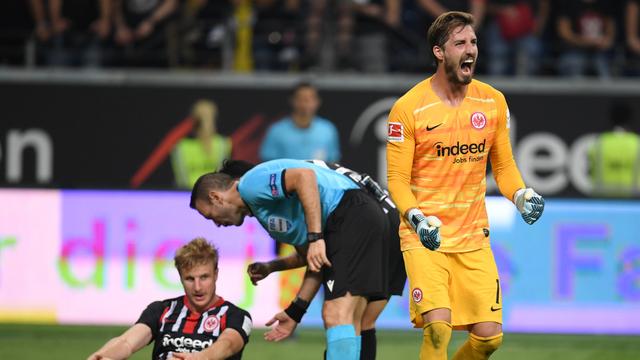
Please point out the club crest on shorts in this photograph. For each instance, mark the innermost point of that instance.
(478, 120)
(396, 133)
(211, 323)
(417, 295)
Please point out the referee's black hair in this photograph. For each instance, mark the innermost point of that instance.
(235, 168)
(207, 182)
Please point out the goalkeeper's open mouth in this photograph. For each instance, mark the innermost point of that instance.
(467, 66)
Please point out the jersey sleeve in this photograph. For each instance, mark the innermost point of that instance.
(240, 320)
(504, 166)
(400, 149)
(263, 183)
(151, 317)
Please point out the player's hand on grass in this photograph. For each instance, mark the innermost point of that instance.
(284, 328)
(258, 271)
(317, 255)
(427, 228)
(530, 204)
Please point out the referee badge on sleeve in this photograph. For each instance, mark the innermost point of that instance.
(396, 132)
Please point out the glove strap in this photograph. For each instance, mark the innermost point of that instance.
(297, 309)
(415, 216)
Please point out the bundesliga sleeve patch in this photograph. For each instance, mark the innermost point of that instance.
(396, 133)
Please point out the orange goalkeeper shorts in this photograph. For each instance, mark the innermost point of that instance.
(467, 283)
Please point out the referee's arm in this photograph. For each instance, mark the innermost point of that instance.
(123, 346)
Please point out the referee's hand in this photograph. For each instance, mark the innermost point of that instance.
(317, 255)
(283, 329)
(258, 271)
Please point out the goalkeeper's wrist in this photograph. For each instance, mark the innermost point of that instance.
(415, 216)
(297, 309)
(517, 194)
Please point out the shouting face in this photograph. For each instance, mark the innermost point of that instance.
(459, 55)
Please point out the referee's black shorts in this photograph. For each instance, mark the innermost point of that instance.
(397, 271)
(355, 235)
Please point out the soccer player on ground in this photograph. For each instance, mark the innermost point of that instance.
(197, 326)
(441, 134)
(336, 225)
(288, 319)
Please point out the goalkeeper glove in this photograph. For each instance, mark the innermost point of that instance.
(530, 204)
(427, 228)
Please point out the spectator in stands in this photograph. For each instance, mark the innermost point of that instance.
(303, 134)
(434, 8)
(276, 34)
(614, 157)
(141, 30)
(373, 19)
(203, 153)
(16, 27)
(586, 29)
(477, 8)
(514, 32)
(349, 35)
(632, 32)
(72, 32)
(205, 33)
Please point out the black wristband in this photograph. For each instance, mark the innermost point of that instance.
(314, 236)
(297, 309)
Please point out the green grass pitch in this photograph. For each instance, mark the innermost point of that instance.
(35, 342)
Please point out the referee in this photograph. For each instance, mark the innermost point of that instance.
(338, 227)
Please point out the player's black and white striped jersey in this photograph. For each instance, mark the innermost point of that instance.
(176, 328)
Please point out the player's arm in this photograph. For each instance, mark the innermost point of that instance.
(304, 183)
(504, 166)
(123, 346)
(400, 152)
(228, 344)
(506, 173)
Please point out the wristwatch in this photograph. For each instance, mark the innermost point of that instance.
(314, 236)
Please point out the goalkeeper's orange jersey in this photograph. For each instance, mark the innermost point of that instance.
(437, 160)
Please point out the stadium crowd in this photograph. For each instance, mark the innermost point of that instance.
(522, 37)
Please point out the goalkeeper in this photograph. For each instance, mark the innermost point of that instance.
(441, 134)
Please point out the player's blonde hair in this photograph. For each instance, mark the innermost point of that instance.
(197, 252)
(441, 28)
